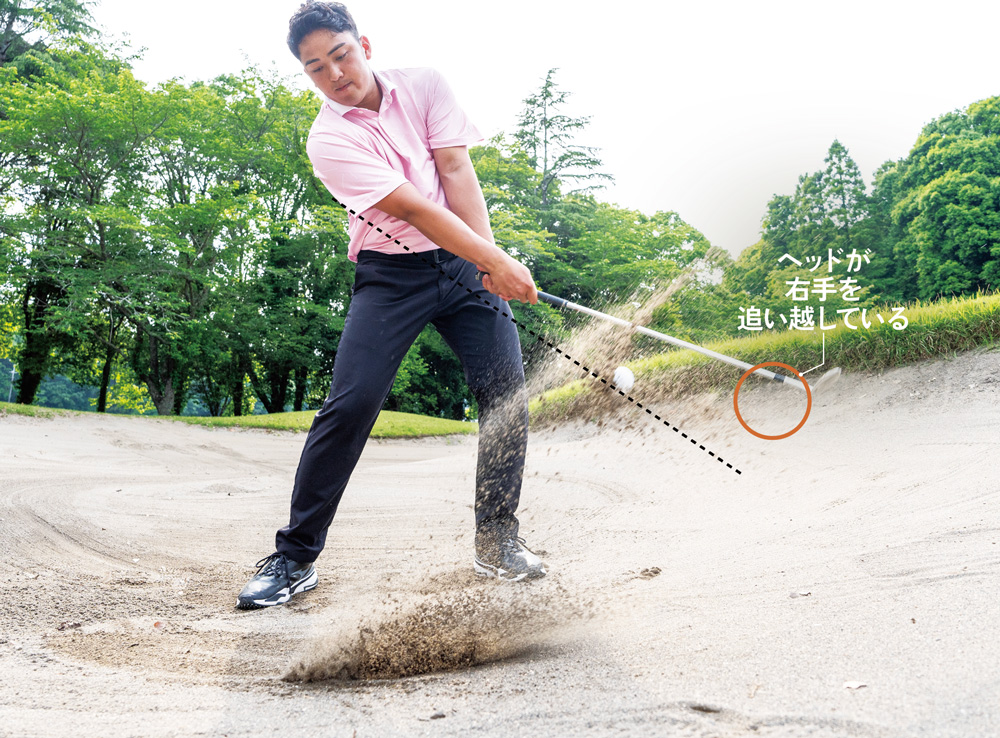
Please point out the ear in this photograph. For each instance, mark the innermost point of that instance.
(367, 46)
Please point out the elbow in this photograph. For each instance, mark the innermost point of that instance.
(416, 212)
(453, 168)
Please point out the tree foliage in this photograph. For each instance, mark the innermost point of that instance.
(30, 28)
(947, 204)
(179, 228)
(168, 247)
(930, 226)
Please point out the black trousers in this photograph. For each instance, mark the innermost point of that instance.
(395, 297)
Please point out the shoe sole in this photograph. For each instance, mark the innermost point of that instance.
(282, 596)
(495, 572)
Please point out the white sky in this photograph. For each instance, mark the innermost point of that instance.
(705, 108)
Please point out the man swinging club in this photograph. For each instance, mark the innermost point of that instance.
(392, 147)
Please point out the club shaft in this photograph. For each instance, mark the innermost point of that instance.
(561, 302)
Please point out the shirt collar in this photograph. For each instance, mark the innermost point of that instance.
(387, 97)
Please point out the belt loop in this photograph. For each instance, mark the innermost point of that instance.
(437, 256)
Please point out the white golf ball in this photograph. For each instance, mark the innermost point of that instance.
(624, 378)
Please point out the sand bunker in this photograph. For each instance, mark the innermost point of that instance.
(865, 549)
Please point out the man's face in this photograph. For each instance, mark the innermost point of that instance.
(337, 63)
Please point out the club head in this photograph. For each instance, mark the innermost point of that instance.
(826, 381)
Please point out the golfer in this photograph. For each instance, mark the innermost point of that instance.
(392, 146)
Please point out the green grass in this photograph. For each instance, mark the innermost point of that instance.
(388, 425)
(935, 330)
(32, 411)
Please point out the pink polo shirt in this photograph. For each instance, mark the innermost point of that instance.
(362, 156)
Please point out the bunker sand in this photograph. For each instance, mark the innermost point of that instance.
(684, 598)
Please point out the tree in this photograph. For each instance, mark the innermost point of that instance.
(181, 226)
(75, 235)
(828, 217)
(293, 284)
(259, 254)
(546, 134)
(845, 202)
(957, 234)
(623, 252)
(432, 381)
(27, 27)
(887, 273)
(947, 195)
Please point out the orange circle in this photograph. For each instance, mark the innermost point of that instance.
(736, 405)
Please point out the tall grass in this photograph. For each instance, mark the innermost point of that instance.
(934, 330)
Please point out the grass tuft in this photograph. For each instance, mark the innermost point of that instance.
(31, 411)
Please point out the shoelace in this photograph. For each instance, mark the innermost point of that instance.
(269, 564)
(515, 544)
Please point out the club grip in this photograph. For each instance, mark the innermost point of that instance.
(552, 299)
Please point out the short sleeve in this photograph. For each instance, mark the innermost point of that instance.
(447, 123)
(353, 170)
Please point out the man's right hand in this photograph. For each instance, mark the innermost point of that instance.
(509, 279)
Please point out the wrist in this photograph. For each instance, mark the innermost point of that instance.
(492, 259)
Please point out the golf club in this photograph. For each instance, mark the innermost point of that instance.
(824, 381)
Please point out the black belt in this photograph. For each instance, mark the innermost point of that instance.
(433, 256)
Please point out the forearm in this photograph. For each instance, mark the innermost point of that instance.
(508, 278)
(449, 230)
(465, 199)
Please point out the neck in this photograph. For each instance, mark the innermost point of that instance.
(373, 101)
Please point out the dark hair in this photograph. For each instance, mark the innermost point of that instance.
(314, 15)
